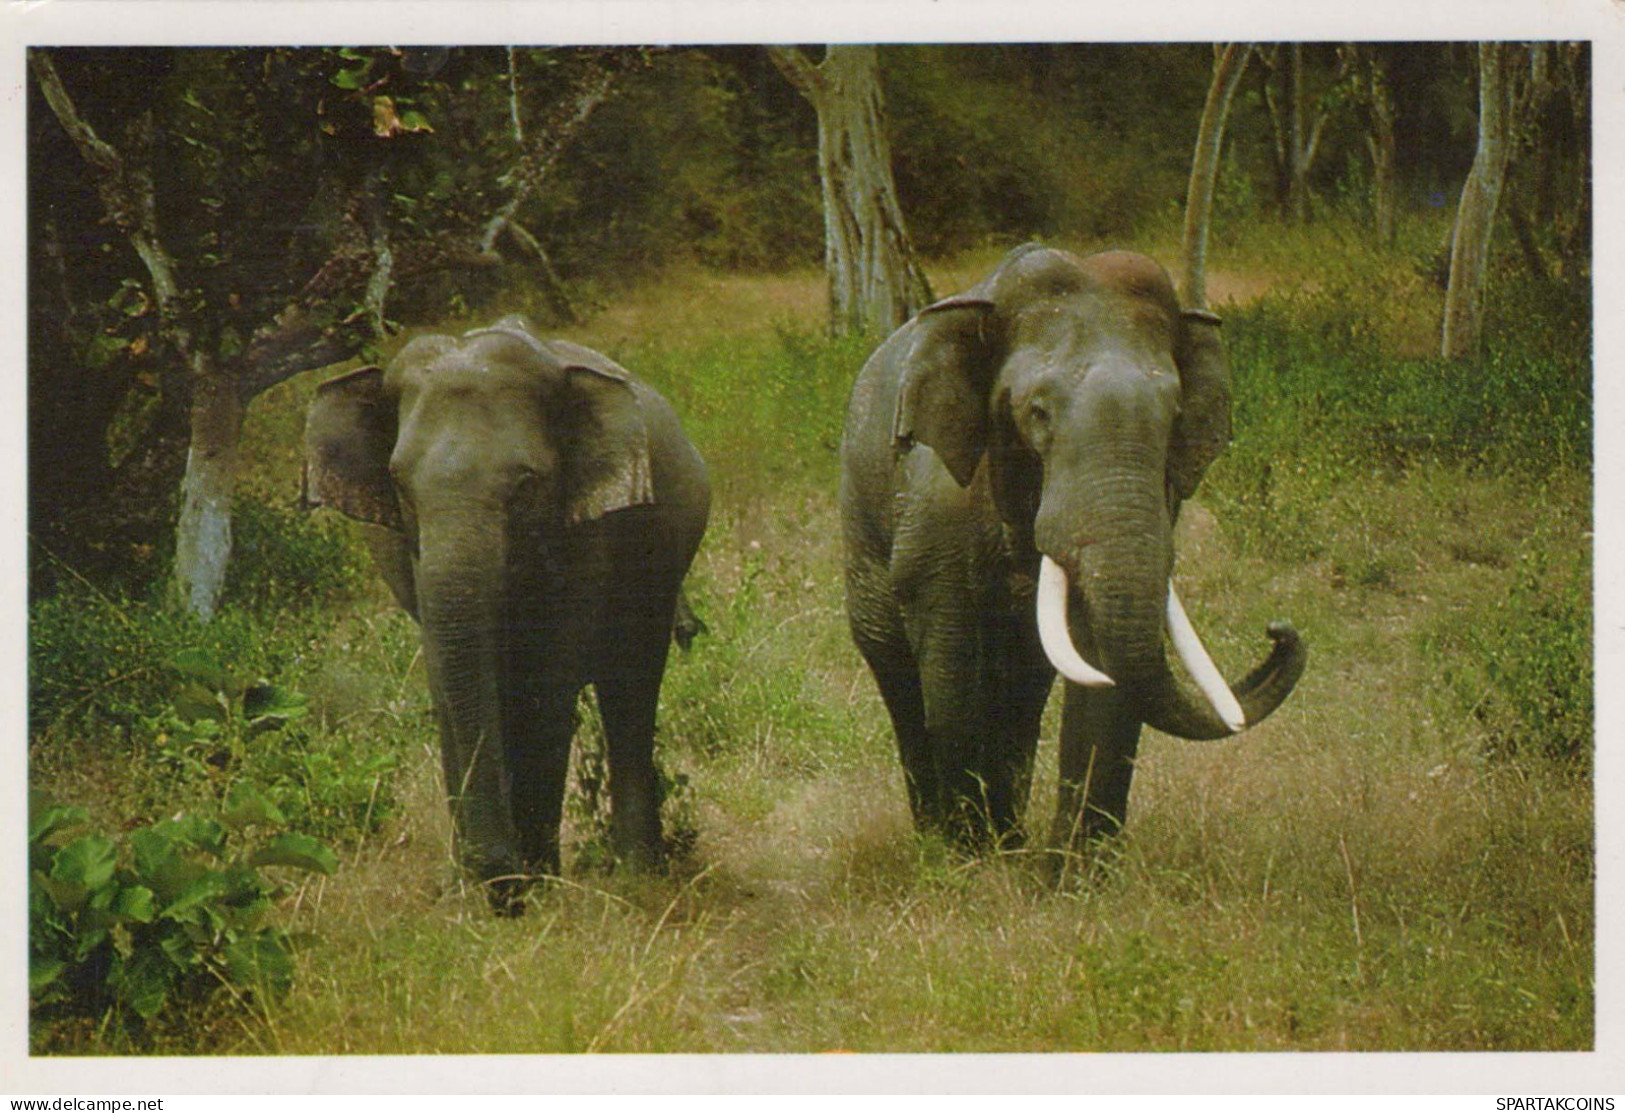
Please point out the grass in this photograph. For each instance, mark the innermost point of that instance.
(1387, 864)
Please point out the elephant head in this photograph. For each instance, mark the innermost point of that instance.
(1095, 405)
(478, 454)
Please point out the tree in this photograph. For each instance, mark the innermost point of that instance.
(1376, 98)
(1229, 63)
(1297, 122)
(1475, 215)
(875, 284)
(293, 195)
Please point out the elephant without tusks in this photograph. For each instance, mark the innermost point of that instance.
(1012, 466)
(535, 508)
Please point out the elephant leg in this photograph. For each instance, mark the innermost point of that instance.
(627, 701)
(961, 695)
(1023, 684)
(541, 726)
(876, 625)
(1099, 739)
(897, 675)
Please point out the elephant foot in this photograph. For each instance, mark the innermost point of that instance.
(506, 882)
(507, 895)
(1089, 862)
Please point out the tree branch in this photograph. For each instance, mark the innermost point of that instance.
(125, 194)
(590, 91)
(798, 71)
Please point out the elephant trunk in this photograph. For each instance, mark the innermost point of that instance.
(1124, 591)
(461, 574)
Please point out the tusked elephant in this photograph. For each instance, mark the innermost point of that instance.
(1012, 465)
(536, 509)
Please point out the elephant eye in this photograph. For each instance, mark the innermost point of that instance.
(1038, 426)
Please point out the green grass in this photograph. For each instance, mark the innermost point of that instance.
(1400, 859)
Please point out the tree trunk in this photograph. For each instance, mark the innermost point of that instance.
(1475, 218)
(1381, 143)
(1298, 182)
(203, 535)
(1229, 63)
(875, 284)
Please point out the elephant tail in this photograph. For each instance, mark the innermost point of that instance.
(686, 625)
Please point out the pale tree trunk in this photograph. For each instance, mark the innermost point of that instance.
(875, 284)
(1298, 183)
(1475, 217)
(219, 393)
(1229, 63)
(203, 536)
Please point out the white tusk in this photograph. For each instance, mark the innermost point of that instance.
(1053, 633)
(1201, 666)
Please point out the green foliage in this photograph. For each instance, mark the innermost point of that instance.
(161, 918)
(1006, 143)
(1523, 665)
(284, 558)
(104, 653)
(231, 734)
(1322, 400)
(695, 159)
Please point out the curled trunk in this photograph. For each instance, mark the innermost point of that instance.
(1125, 597)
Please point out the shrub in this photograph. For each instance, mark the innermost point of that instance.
(227, 731)
(162, 917)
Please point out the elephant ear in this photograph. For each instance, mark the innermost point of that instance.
(942, 401)
(606, 467)
(1203, 427)
(349, 435)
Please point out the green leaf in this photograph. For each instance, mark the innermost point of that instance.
(88, 861)
(196, 897)
(65, 896)
(351, 79)
(86, 942)
(135, 903)
(245, 806)
(160, 864)
(42, 972)
(144, 982)
(270, 702)
(260, 961)
(195, 832)
(104, 350)
(413, 120)
(200, 665)
(196, 703)
(298, 851)
(47, 819)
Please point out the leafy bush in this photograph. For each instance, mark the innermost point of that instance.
(217, 731)
(164, 916)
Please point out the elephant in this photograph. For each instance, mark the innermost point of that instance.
(535, 508)
(1012, 467)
